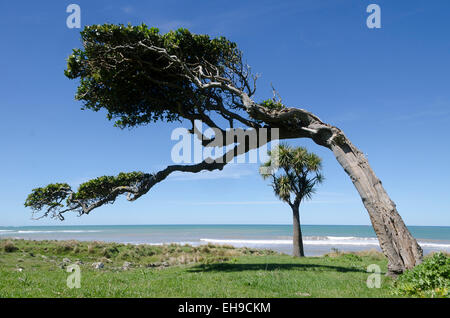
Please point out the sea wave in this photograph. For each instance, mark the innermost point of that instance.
(55, 231)
(318, 240)
(437, 245)
(192, 243)
(262, 242)
(307, 241)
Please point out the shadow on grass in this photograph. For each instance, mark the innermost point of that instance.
(229, 267)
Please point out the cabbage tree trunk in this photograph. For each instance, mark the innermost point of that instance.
(297, 238)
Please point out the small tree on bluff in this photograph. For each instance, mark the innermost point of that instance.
(293, 182)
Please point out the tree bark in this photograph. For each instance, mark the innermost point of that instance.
(401, 249)
(297, 239)
(396, 242)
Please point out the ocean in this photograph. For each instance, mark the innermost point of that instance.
(318, 239)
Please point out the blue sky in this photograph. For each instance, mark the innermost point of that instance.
(387, 88)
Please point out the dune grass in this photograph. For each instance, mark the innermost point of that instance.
(39, 269)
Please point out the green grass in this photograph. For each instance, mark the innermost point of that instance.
(35, 269)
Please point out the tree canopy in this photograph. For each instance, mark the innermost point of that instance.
(139, 75)
(58, 198)
(297, 175)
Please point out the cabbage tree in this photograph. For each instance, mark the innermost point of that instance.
(293, 181)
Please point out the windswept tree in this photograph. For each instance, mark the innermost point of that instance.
(139, 76)
(293, 180)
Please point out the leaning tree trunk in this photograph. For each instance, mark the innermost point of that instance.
(297, 239)
(396, 242)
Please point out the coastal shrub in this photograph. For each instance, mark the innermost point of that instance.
(198, 258)
(186, 248)
(250, 251)
(373, 254)
(110, 251)
(171, 248)
(208, 260)
(141, 250)
(106, 253)
(128, 255)
(76, 249)
(105, 260)
(91, 249)
(352, 257)
(429, 279)
(65, 246)
(334, 253)
(150, 251)
(9, 247)
(185, 259)
(356, 256)
(220, 252)
(205, 249)
(124, 255)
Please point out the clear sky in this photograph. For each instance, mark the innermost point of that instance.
(388, 89)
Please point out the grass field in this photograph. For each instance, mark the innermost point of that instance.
(39, 269)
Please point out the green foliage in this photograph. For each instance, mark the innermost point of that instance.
(58, 198)
(429, 279)
(299, 172)
(110, 251)
(272, 104)
(66, 246)
(9, 247)
(52, 196)
(135, 85)
(102, 186)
